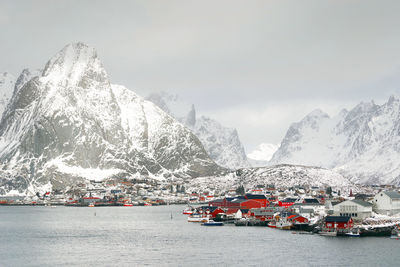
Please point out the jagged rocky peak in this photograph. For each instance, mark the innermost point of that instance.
(25, 76)
(191, 117)
(221, 143)
(314, 118)
(76, 64)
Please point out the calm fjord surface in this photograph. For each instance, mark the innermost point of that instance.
(130, 236)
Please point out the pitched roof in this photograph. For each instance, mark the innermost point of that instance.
(362, 202)
(251, 196)
(392, 194)
(311, 200)
(289, 200)
(337, 218)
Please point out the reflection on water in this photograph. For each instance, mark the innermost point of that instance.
(129, 236)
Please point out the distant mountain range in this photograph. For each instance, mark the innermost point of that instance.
(363, 144)
(222, 143)
(69, 123)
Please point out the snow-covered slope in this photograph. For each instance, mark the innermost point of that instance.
(282, 176)
(262, 154)
(7, 82)
(71, 124)
(222, 143)
(362, 144)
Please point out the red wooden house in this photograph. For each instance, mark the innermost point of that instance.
(287, 202)
(338, 222)
(262, 199)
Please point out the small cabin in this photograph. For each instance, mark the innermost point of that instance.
(338, 222)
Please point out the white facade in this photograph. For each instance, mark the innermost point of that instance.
(387, 203)
(357, 209)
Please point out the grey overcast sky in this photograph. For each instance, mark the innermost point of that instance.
(254, 65)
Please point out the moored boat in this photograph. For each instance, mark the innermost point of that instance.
(395, 232)
(91, 205)
(283, 225)
(353, 232)
(212, 223)
(328, 233)
(198, 218)
(188, 211)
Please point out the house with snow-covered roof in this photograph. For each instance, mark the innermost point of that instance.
(357, 209)
(387, 202)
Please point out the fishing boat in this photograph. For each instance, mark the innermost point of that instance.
(212, 223)
(198, 218)
(128, 204)
(91, 205)
(283, 225)
(148, 204)
(272, 224)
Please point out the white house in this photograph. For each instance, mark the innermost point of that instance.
(387, 202)
(358, 209)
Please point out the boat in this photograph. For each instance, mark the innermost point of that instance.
(91, 205)
(283, 225)
(328, 233)
(212, 223)
(353, 232)
(395, 232)
(188, 211)
(198, 218)
(272, 224)
(128, 204)
(148, 204)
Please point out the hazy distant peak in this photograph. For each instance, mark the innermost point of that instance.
(317, 113)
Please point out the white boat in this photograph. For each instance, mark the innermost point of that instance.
(198, 218)
(283, 225)
(328, 233)
(353, 232)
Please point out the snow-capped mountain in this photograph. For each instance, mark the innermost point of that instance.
(71, 124)
(7, 83)
(362, 144)
(222, 143)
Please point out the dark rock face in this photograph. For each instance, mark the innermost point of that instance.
(71, 124)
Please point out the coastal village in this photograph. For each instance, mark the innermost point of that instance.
(373, 210)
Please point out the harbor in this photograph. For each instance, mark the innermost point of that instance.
(142, 235)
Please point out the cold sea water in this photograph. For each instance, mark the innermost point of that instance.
(147, 236)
